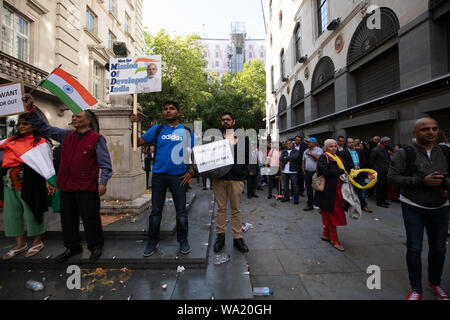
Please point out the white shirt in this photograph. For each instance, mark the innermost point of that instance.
(151, 85)
(287, 167)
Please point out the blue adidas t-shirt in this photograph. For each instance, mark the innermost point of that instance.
(169, 152)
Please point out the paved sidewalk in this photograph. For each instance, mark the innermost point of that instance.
(287, 254)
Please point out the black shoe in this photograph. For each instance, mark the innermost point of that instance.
(269, 197)
(259, 188)
(240, 245)
(63, 257)
(95, 254)
(383, 205)
(220, 242)
(255, 196)
(308, 208)
(302, 195)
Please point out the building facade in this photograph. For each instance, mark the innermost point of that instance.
(229, 55)
(356, 68)
(39, 35)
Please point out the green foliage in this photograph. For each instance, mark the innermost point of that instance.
(203, 97)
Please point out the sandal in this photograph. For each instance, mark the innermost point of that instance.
(338, 246)
(14, 252)
(34, 250)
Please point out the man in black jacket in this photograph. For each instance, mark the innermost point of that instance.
(230, 186)
(289, 168)
(355, 159)
(379, 161)
(418, 170)
(301, 147)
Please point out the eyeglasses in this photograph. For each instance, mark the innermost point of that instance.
(227, 119)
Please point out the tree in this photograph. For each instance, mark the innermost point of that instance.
(183, 78)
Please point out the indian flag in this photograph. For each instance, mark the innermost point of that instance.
(68, 90)
(38, 157)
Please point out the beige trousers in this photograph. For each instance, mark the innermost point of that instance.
(224, 189)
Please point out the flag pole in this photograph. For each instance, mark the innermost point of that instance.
(135, 124)
(32, 90)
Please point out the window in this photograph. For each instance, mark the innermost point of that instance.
(15, 33)
(90, 20)
(127, 23)
(250, 55)
(217, 63)
(298, 52)
(322, 15)
(217, 54)
(262, 54)
(112, 6)
(111, 39)
(280, 19)
(282, 64)
(97, 88)
(272, 82)
(270, 10)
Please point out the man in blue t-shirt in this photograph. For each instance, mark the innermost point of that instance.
(169, 171)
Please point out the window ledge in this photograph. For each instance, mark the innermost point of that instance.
(92, 35)
(113, 15)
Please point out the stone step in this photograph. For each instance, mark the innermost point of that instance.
(132, 227)
(119, 253)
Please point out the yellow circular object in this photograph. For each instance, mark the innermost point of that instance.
(354, 173)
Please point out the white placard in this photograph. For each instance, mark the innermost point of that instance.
(11, 99)
(135, 75)
(213, 155)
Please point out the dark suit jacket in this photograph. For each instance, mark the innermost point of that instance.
(378, 161)
(348, 161)
(285, 158)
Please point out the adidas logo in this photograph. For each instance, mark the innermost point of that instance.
(172, 137)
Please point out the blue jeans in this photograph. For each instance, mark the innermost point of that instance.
(309, 189)
(436, 223)
(160, 183)
(294, 178)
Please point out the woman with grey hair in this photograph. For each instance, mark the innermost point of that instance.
(331, 166)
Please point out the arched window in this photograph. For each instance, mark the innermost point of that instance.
(297, 38)
(323, 87)
(282, 64)
(282, 115)
(298, 104)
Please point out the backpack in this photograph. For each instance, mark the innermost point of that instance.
(410, 157)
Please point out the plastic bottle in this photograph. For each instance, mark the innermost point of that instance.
(262, 291)
(35, 285)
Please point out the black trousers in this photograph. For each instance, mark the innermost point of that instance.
(87, 206)
(381, 188)
(301, 181)
(252, 182)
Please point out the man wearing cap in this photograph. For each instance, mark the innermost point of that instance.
(379, 161)
(309, 167)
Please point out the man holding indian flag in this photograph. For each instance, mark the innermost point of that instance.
(84, 152)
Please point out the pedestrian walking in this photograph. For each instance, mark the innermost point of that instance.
(331, 166)
(24, 190)
(289, 168)
(379, 161)
(169, 172)
(418, 170)
(309, 168)
(230, 186)
(84, 153)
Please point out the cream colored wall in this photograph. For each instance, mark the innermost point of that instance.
(304, 11)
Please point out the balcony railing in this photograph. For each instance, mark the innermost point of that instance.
(13, 69)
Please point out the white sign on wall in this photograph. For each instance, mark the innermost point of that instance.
(213, 155)
(11, 99)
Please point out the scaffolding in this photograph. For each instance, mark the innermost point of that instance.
(237, 48)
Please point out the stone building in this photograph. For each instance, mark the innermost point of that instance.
(356, 67)
(39, 35)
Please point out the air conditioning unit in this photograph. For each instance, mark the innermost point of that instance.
(334, 24)
(303, 59)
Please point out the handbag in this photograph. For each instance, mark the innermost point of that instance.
(318, 182)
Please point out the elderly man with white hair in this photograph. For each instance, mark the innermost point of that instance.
(379, 161)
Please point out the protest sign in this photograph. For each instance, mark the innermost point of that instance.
(135, 75)
(213, 155)
(11, 98)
